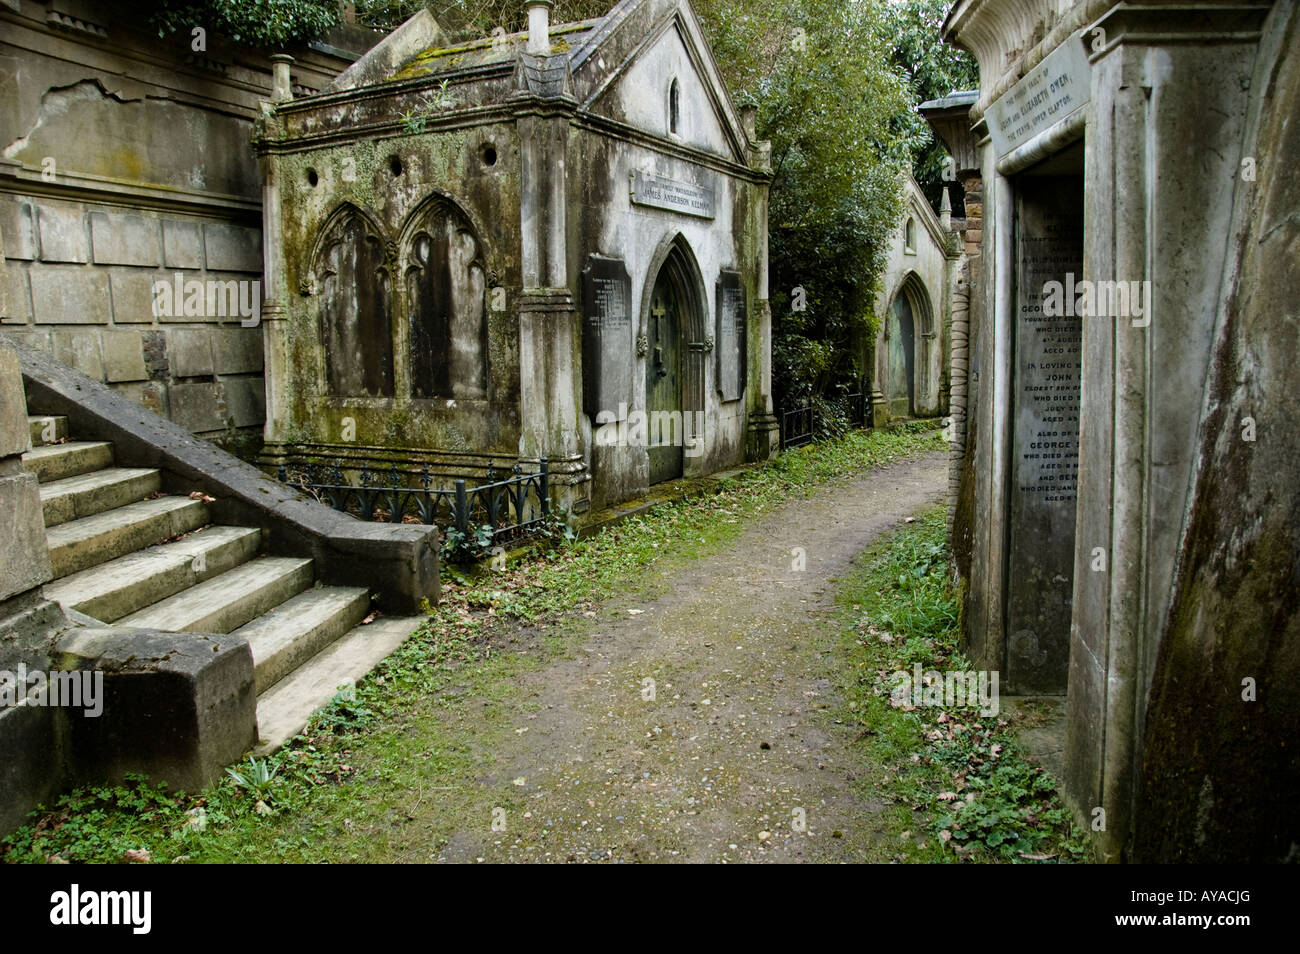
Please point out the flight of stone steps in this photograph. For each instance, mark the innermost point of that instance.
(127, 555)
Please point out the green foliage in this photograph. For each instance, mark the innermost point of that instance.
(97, 824)
(269, 24)
(256, 779)
(981, 799)
(431, 103)
(466, 546)
(818, 71)
(932, 69)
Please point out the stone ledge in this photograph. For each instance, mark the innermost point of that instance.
(178, 707)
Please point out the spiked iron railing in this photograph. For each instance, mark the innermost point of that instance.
(510, 507)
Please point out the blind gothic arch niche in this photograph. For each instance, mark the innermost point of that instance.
(443, 297)
(350, 273)
(446, 302)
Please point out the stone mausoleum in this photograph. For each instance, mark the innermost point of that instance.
(550, 244)
(1125, 523)
(914, 312)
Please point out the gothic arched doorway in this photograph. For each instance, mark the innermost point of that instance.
(900, 357)
(674, 374)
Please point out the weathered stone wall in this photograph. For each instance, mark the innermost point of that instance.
(1218, 772)
(1183, 559)
(123, 162)
(391, 183)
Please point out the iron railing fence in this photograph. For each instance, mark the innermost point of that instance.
(798, 424)
(510, 507)
(796, 427)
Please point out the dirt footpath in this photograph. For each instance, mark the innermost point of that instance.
(688, 727)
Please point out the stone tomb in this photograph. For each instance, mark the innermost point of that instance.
(466, 239)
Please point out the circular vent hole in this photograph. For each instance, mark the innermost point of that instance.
(489, 155)
(312, 178)
(395, 166)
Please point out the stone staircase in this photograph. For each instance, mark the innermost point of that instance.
(125, 554)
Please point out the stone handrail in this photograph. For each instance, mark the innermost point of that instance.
(398, 562)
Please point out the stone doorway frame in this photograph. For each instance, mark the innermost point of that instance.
(675, 254)
(923, 333)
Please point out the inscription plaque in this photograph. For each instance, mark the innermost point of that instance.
(1044, 473)
(729, 337)
(672, 194)
(607, 358)
(1052, 91)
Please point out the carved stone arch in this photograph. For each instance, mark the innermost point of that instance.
(675, 253)
(912, 285)
(908, 333)
(350, 276)
(446, 279)
(675, 262)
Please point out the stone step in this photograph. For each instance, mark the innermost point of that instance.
(114, 589)
(85, 495)
(47, 430)
(293, 632)
(226, 602)
(284, 709)
(89, 541)
(67, 460)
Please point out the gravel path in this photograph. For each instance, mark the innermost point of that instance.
(726, 755)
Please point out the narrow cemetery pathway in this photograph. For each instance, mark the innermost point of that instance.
(739, 733)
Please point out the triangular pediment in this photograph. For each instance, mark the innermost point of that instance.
(629, 78)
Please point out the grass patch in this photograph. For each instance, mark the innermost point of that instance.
(958, 786)
(421, 726)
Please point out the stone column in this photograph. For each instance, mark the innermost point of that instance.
(30, 749)
(764, 429)
(275, 290)
(1161, 78)
(550, 390)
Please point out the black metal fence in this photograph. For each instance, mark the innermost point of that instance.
(798, 424)
(510, 507)
(859, 409)
(796, 427)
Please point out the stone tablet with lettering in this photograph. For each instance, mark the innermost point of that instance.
(729, 337)
(1044, 475)
(607, 357)
(673, 195)
(1048, 94)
